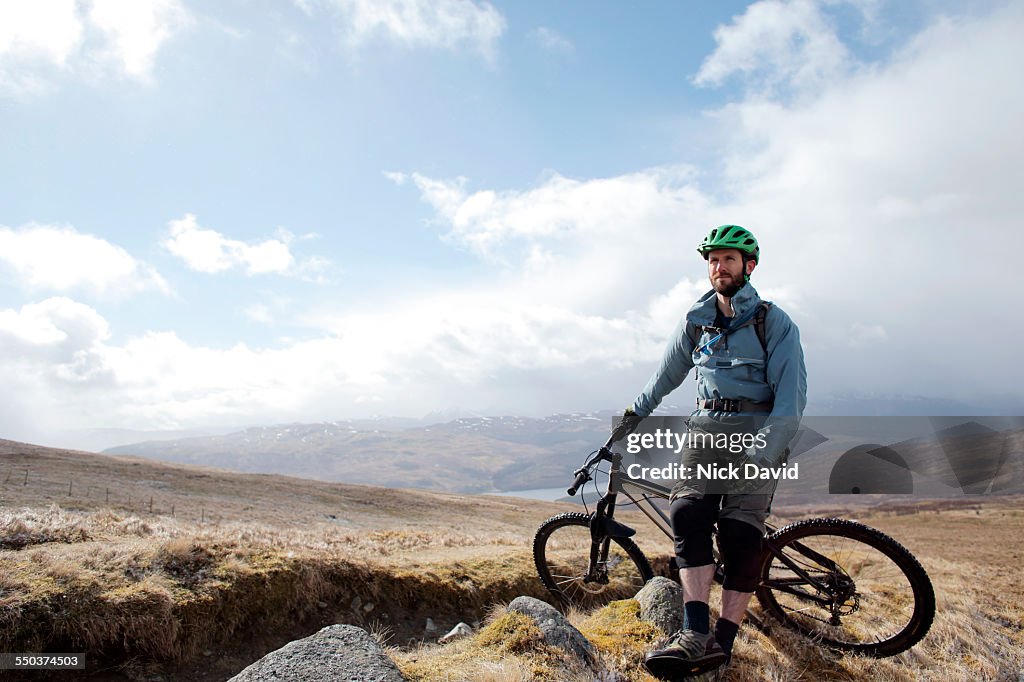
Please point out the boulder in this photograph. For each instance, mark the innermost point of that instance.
(661, 604)
(556, 629)
(342, 653)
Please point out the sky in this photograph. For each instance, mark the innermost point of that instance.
(253, 212)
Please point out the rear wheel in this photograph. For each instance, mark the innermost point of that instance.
(846, 585)
(561, 551)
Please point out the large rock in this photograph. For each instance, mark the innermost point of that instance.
(556, 629)
(338, 652)
(661, 604)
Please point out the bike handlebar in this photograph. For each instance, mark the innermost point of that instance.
(582, 476)
(618, 434)
(583, 473)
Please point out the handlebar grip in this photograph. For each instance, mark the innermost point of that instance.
(581, 478)
(627, 425)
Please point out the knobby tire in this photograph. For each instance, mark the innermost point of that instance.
(562, 569)
(890, 584)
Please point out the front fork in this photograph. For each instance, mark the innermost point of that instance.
(597, 571)
(600, 542)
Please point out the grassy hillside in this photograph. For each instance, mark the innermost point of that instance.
(249, 562)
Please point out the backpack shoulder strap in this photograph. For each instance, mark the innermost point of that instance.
(698, 330)
(759, 324)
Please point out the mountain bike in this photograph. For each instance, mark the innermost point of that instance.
(840, 583)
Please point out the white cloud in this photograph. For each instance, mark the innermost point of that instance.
(34, 35)
(575, 244)
(58, 340)
(209, 251)
(46, 40)
(887, 207)
(775, 42)
(873, 201)
(439, 24)
(135, 30)
(562, 209)
(553, 41)
(405, 357)
(882, 194)
(52, 258)
(45, 28)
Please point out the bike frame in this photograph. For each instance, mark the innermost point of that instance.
(642, 494)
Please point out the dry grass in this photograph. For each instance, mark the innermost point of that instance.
(972, 556)
(509, 648)
(162, 591)
(285, 556)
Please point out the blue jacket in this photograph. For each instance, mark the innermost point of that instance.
(738, 367)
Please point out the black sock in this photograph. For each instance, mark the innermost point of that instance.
(697, 617)
(725, 635)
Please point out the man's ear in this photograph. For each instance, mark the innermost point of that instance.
(751, 264)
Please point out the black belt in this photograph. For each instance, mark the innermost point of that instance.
(730, 405)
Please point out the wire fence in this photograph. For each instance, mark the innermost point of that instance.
(20, 485)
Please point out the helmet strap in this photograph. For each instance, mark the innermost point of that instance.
(746, 259)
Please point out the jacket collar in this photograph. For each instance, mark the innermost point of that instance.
(705, 309)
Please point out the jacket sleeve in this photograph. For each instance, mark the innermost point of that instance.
(674, 367)
(787, 377)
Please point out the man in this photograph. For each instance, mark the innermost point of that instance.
(750, 376)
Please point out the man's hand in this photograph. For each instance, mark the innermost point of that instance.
(627, 425)
(749, 486)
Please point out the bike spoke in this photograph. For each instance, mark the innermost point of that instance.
(868, 593)
(567, 556)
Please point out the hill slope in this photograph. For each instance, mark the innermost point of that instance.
(274, 558)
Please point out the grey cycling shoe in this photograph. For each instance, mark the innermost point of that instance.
(687, 654)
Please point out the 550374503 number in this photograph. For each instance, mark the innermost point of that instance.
(48, 661)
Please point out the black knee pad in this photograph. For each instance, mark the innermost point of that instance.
(741, 545)
(692, 520)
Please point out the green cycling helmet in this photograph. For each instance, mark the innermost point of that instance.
(730, 237)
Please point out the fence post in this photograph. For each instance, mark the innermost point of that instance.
(150, 504)
(202, 517)
(70, 482)
(26, 476)
(172, 511)
(108, 495)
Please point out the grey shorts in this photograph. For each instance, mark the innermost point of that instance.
(742, 500)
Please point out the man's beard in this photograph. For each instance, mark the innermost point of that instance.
(728, 288)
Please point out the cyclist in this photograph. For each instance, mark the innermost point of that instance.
(750, 370)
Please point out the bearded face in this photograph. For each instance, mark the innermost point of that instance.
(727, 271)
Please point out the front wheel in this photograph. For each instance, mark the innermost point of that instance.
(561, 551)
(848, 586)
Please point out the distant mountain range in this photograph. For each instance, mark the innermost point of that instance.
(492, 454)
(470, 455)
